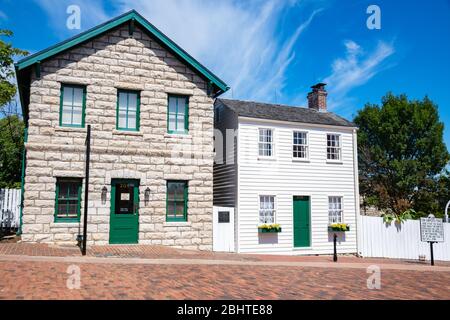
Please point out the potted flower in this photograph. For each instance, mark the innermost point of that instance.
(269, 228)
(339, 227)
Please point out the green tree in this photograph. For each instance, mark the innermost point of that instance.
(11, 143)
(401, 154)
(8, 88)
(11, 124)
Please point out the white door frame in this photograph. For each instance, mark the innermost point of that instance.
(223, 232)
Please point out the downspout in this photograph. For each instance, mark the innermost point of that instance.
(22, 180)
(356, 192)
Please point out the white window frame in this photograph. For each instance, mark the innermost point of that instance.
(334, 211)
(306, 158)
(339, 147)
(260, 210)
(272, 143)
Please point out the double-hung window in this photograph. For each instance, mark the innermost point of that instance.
(300, 145)
(335, 211)
(68, 200)
(178, 114)
(334, 149)
(265, 144)
(72, 106)
(128, 104)
(266, 209)
(177, 197)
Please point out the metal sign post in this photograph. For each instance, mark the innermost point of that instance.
(431, 253)
(86, 188)
(431, 231)
(335, 258)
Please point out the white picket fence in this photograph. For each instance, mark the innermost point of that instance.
(379, 240)
(9, 209)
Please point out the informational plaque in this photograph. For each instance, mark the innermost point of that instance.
(431, 229)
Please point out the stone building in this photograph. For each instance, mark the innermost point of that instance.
(150, 108)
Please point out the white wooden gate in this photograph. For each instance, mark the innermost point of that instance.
(380, 240)
(223, 229)
(9, 209)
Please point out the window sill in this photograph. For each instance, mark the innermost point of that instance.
(177, 224)
(127, 133)
(300, 160)
(70, 129)
(64, 223)
(335, 161)
(178, 135)
(262, 158)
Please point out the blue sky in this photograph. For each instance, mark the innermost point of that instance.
(274, 50)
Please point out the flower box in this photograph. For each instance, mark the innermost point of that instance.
(269, 228)
(339, 227)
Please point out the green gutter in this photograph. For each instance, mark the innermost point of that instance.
(22, 178)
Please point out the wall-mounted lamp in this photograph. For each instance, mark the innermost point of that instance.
(147, 195)
(104, 192)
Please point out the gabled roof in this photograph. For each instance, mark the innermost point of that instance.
(131, 16)
(250, 109)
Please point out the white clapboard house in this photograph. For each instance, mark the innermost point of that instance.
(288, 166)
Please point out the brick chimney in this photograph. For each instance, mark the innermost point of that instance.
(317, 98)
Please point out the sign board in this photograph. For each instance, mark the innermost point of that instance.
(431, 229)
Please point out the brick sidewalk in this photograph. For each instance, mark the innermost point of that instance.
(162, 252)
(48, 280)
(37, 271)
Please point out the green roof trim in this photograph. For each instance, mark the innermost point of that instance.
(104, 27)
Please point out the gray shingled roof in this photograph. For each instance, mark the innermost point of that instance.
(267, 111)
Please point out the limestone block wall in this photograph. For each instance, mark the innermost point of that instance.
(110, 62)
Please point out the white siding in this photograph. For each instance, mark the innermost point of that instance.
(285, 178)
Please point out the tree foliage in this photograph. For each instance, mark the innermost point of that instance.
(11, 143)
(402, 155)
(7, 53)
(11, 125)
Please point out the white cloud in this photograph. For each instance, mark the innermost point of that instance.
(354, 70)
(239, 41)
(243, 43)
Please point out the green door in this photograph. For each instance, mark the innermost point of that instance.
(124, 222)
(302, 230)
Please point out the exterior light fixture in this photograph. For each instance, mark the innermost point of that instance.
(104, 192)
(147, 195)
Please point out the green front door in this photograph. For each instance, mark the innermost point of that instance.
(302, 230)
(124, 222)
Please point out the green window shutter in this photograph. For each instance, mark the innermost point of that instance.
(68, 200)
(128, 110)
(72, 109)
(178, 114)
(176, 201)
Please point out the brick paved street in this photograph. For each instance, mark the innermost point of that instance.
(45, 277)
